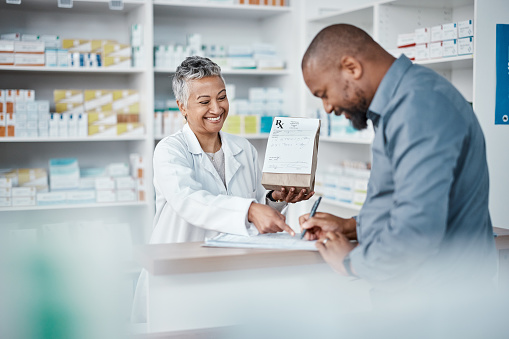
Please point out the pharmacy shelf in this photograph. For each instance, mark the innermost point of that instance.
(347, 140)
(351, 15)
(433, 3)
(71, 69)
(77, 139)
(342, 204)
(463, 61)
(217, 11)
(236, 71)
(247, 136)
(82, 6)
(73, 206)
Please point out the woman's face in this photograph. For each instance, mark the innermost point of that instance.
(207, 106)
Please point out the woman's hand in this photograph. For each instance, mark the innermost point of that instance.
(267, 220)
(291, 195)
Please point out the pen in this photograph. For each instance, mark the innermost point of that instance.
(312, 214)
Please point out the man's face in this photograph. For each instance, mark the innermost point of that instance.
(339, 92)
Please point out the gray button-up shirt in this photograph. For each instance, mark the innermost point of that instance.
(425, 221)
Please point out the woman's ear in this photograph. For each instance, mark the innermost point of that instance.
(352, 67)
(182, 108)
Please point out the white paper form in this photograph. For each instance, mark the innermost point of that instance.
(290, 146)
(268, 241)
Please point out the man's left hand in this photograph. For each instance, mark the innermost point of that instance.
(334, 247)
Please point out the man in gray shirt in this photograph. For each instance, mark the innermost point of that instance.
(425, 224)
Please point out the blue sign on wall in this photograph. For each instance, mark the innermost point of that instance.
(502, 93)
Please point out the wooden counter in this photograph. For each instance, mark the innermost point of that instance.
(164, 259)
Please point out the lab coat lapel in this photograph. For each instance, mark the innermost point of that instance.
(193, 145)
(231, 164)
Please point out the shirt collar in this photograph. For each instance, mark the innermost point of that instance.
(387, 87)
(193, 145)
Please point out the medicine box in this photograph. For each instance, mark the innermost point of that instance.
(117, 169)
(104, 196)
(64, 174)
(81, 197)
(126, 195)
(116, 50)
(68, 96)
(104, 183)
(117, 62)
(125, 99)
(125, 182)
(97, 98)
(29, 191)
(450, 48)
(102, 130)
(69, 108)
(103, 118)
(23, 201)
(449, 31)
(130, 129)
(435, 50)
(51, 198)
(465, 29)
(466, 46)
(21, 59)
(422, 35)
(436, 33)
(406, 40)
(29, 47)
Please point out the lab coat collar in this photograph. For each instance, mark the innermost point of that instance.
(230, 149)
(193, 145)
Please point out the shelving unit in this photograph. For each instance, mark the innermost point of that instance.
(73, 139)
(289, 28)
(88, 19)
(250, 72)
(74, 206)
(70, 69)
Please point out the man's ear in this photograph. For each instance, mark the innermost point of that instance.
(351, 67)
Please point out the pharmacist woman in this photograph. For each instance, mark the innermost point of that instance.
(208, 181)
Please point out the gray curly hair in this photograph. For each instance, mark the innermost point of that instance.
(193, 68)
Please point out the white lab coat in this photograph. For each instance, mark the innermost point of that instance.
(191, 200)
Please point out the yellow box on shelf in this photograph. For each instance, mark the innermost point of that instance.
(130, 129)
(95, 99)
(102, 130)
(84, 45)
(251, 124)
(116, 50)
(117, 62)
(233, 124)
(68, 96)
(71, 108)
(126, 98)
(102, 118)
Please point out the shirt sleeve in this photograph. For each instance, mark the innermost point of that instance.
(424, 138)
(174, 175)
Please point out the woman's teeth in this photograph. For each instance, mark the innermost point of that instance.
(214, 119)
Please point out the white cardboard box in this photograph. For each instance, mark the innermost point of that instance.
(449, 31)
(436, 50)
(436, 33)
(466, 46)
(450, 48)
(465, 28)
(422, 35)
